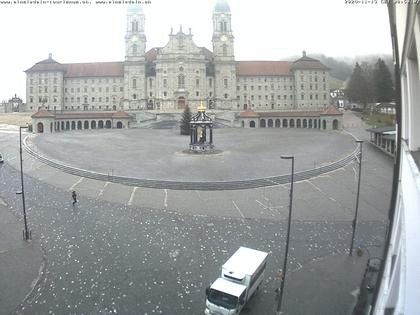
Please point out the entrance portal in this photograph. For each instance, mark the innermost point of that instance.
(181, 102)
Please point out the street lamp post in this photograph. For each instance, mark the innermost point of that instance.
(283, 274)
(359, 160)
(26, 233)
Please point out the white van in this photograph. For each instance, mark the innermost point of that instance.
(241, 275)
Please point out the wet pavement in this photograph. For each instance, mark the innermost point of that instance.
(104, 256)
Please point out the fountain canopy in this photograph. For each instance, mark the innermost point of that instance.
(201, 127)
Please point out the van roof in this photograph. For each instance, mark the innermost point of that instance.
(245, 260)
(228, 287)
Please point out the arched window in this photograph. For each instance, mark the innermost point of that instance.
(305, 123)
(100, 124)
(93, 124)
(270, 123)
(298, 123)
(292, 123)
(134, 26)
(262, 123)
(252, 124)
(73, 125)
(119, 125)
(324, 124)
(79, 125)
(310, 123)
(277, 123)
(40, 127)
(285, 123)
(86, 124)
(181, 81)
(134, 83)
(224, 47)
(335, 124)
(134, 47)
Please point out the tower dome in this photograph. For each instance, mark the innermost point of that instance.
(221, 6)
(135, 8)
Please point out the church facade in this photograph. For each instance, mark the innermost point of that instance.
(178, 74)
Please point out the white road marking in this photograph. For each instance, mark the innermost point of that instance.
(261, 204)
(237, 208)
(76, 183)
(102, 190)
(132, 196)
(165, 200)
(315, 186)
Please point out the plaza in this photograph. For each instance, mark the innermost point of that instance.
(128, 249)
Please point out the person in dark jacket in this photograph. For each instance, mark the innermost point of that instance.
(74, 196)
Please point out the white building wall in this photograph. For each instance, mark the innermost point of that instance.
(399, 289)
(93, 93)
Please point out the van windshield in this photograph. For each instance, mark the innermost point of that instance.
(222, 299)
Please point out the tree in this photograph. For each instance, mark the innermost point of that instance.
(367, 71)
(358, 89)
(185, 121)
(383, 86)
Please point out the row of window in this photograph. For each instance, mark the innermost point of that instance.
(265, 79)
(245, 87)
(74, 81)
(92, 99)
(42, 81)
(311, 96)
(93, 81)
(302, 78)
(99, 89)
(315, 86)
(42, 89)
(43, 99)
(272, 97)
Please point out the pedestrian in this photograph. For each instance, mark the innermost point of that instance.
(74, 196)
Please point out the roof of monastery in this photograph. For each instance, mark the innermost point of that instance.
(306, 62)
(264, 68)
(331, 110)
(116, 69)
(81, 115)
(94, 69)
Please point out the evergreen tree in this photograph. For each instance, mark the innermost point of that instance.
(185, 121)
(358, 89)
(383, 86)
(367, 71)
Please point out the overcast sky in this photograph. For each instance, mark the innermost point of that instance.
(263, 30)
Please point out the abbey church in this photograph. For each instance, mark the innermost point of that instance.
(178, 74)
